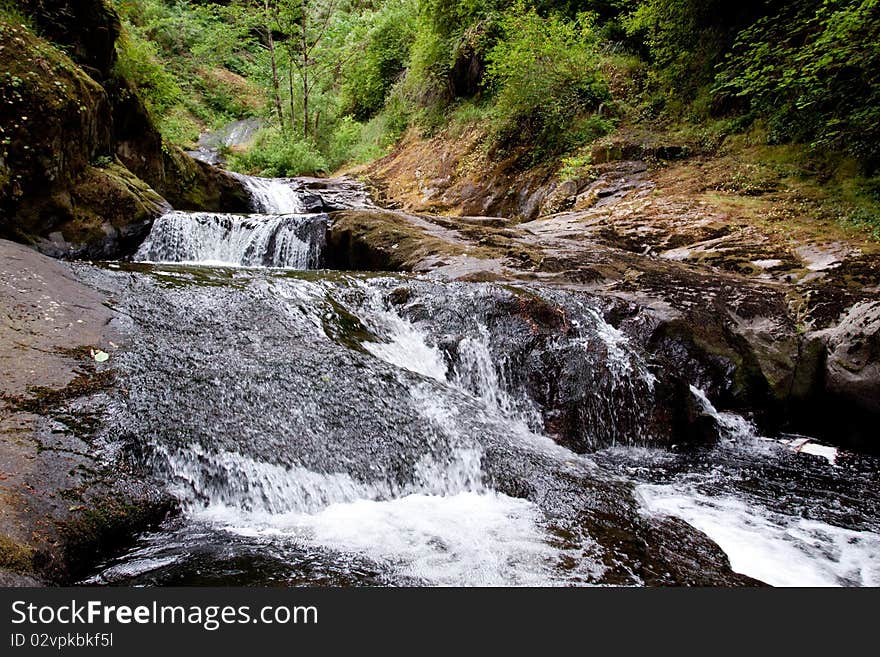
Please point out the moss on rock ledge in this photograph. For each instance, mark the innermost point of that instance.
(83, 170)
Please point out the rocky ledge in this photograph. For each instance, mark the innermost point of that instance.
(793, 342)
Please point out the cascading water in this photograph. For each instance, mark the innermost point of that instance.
(287, 241)
(353, 429)
(281, 237)
(273, 196)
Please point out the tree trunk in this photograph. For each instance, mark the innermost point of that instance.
(276, 85)
(305, 110)
(290, 66)
(305, 74)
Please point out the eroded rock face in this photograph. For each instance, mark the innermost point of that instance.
(754, 292)
(113, 212)
(54, 124)
(853, 363)
(852, 373)
(739, 339)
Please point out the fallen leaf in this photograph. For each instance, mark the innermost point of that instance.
(99, 356)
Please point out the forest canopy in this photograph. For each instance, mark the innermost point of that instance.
(340, 80)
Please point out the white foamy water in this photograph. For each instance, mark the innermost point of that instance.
(407, 349)
(402, 344)
(478, 372)
(290, 241)
(201, 476)
(445, 528)
(273, 195)
(471, 538)
(777, 549)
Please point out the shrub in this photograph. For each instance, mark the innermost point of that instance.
(139, 63)
(277, 154)
(545, 74)
(685, 39)
(359, 143)
(381, 52)
(813, 70)
(178, 126)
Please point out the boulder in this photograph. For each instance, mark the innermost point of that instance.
(852, 375)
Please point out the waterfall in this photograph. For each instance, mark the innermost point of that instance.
(281, 236)
(345, 427)
(478, 372)
(273, 195)
(287, 241)
(732, 425)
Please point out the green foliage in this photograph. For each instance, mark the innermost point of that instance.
(684, 40)
(139, 63)
(545, 75)
(278, 154)
(575, 166)
(448, 54)
(178, 126)
(378, 53)
(813, 71)
(10, 10)
(555, 74)
(358, 143)
(862, 219)
(187, 60)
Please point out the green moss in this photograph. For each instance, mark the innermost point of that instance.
(346, 328)
(15, 556)
(102, 526)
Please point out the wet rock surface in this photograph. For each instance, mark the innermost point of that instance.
(749, 312)
(545, 379)
(67, 497)
(266, 429)
(212, 146)
(327, 394)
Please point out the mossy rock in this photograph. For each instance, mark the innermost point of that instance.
(379, 240)
(193, 185)
(83, 170)
(54, 120)
(88, 29)
(15, 556)
(110, 213)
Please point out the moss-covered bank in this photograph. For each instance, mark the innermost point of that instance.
(83, 171)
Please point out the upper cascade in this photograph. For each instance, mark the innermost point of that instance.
(282, 235)
(273, 195)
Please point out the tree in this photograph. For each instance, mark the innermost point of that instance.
(262, 17)
(307, 24)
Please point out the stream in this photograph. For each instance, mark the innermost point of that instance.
(363, 428)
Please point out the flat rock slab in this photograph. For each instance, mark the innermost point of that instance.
(61, 490)
(45, 311)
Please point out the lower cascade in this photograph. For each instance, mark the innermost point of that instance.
(280, 236)
(284, 241)
(376, 429)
